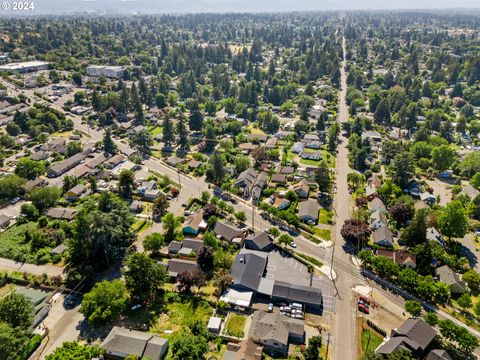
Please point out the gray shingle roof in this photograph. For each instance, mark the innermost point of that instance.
(273, 326)
(260, 239)
(122, 342)
(248, 268)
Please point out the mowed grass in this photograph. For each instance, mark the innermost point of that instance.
(182, 315)
(370, 341)
(325, 234)
(156, 131)
(310, 259)
(235, 325)
(325, 217)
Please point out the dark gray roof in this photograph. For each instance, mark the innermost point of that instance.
(418, 331)
(248, 268)
(308, 208)
(176, 266)
(122, 342)
(193, 244)
(299, 293)
(174, 246)
(276, 327)
(438, 354)
(261, 239)
(227, 231)
(449, 277)
(398, 343)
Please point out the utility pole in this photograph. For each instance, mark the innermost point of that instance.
(328, 343)
(253, 217)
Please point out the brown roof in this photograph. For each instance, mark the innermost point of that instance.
(176, 266)
(401, 257)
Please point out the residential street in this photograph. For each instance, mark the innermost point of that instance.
(344, 335)
(50, 270)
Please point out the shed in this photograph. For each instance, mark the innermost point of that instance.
(214, 325)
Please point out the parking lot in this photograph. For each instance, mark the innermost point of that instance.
(282, 266)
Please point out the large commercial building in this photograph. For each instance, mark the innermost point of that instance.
(107, 71)
(24, 67)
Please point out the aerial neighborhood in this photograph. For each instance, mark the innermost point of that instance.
(240, 186)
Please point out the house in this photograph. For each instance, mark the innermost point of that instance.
(260, 241)
(229, 232)
(298, 148)
(245, 181)
(383, 237)
(311, 155)
(97, 160)
(174, 161)
(62, 167)
(428, 198)
(313, 145)
(378, 220)
(278, 201)
(194, 164)
(308, 211)
(146, 186)
(114, 161)
(249, 273)
(402, 257)
(174, 247)
(275, 331)
(434, 235)
(121, 343)
(413, 189)
(258, 186)
(136, 206)
(377, 205)
(302, 189)
(61, 213)
(151, 195)
(414, 335)
(446, 275)
(40, 155)
(245, 350)
(32, 184)
(287, 170)
(278, 179)
(373, 138)
(310, 137)
(176, 266)
(76, 192)
(247, 147)
(194, 223)
(4, 221)
(271, 143)
(438, 354)
(214, 325)
(257, 137)
(282, 134)
(372, 186)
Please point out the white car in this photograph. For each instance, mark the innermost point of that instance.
(293, 245)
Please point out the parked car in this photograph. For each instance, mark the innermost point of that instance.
(270, 307)
(15, 200)
(293, 245)
(69, 301)
(364, 299)
(363, 309)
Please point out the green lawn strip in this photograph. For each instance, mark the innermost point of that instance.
(235, 325)
(310, 259)
(325, 217)
(325, 234)
(370, 339)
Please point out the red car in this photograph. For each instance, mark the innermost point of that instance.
(364, 299)
(362, 308)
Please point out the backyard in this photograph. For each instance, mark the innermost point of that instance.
(235, 325)
(181, 314)
(13, 245)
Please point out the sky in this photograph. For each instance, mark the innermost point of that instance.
(193, 6)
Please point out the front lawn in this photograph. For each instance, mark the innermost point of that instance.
(325, 234)
(235, 325)
(370, 341)
(325, 217)
(181, 314)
